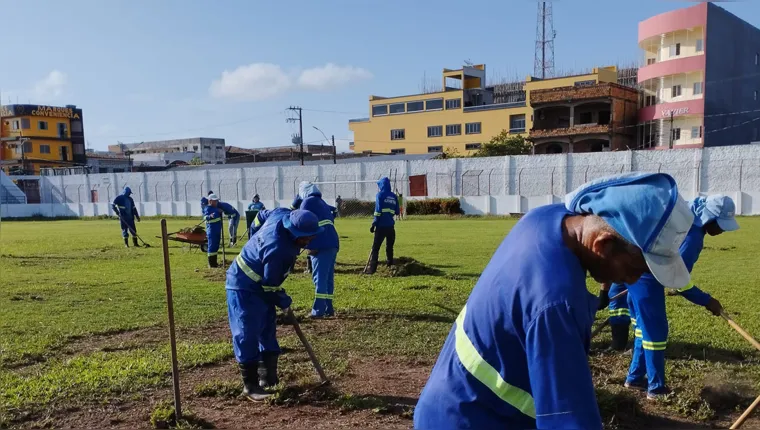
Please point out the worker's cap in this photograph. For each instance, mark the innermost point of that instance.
(204, 201)
(213, 197)
(255, 196)
(210, 193)
(646, 210)
(127, 190)
(302, 223)
(717, 208)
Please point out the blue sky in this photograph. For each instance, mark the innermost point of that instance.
(157, 69)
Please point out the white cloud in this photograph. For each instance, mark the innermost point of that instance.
(331, 76)
(51, 86)
(256, 81)
(259, 81)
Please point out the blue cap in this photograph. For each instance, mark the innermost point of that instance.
(127, 190)
(302, 223)
(204, 201)
(716, 207)
(646, 210)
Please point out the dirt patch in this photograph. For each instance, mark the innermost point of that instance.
(719, 248)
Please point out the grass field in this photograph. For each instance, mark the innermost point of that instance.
(83, 331)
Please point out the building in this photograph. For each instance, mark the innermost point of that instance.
(461, 117)
(209, 150)
(701, 77)
(34, 137)
(586, 117)
(279, 153)
(107, 162)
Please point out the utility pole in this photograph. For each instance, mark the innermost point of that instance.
(300, 127)
(543, 63)
(335, 152)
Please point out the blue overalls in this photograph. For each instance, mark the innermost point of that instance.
(213, 217)
(386, 207)
(520, 345)
(125, 207)
(326, 246)
(253, 287)
(234, 216)
(646, 299)
(256, 206)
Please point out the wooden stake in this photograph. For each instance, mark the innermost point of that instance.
(170, 309)
(307, 346)
(746, 414)
(740, 330)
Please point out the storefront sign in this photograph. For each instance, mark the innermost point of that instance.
(56, 112)
(590, 83)
(675, 112)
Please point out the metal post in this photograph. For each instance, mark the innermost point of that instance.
(170, 311)
(551, 183)
(519, 179)
(585, 175)
(741, 173)
(237, 189)
(335, 151)
(185, 190)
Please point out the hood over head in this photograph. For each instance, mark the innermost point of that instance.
(384, 184)
(306, 189)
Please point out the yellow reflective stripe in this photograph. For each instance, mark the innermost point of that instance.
(325, 222)
(323, 296)
(638, 333)
(209, 221)
(378, 213)
(390, 211)
(620, 312)
(686, 288)
(122, 207)
(633, 321)
(211, 254)
(271, 289)
(487, 375)
(256, 222)
(654, 346)
(247, 270)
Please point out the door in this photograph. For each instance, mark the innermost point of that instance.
(93, 196)
(30, 187)
(418, 186)
(64, 153)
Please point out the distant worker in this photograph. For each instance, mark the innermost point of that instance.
(256, 204)
(400, 214)
(234, 220)
(646, 299)
(204, 203)
(338, 204)
(517, 356)
(213, 217)
(386, 207)
(253, 287)
(323, 250)
(125, 209)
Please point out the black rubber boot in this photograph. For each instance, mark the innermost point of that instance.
(268, 370)
(251, 389)
(134, 242)
(212, 261)
(619, 337)
(372, 267)
(126, 242)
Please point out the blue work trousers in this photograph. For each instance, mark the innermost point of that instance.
(214, 237)
(647, 305)
(253, 325)
(233, 228)
(619, 311)
(127, 227)
(323, 265)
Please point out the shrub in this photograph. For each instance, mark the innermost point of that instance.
(450, 206)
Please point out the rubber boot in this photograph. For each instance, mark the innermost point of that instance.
(251, 390)
(126, 242)
(372, 267)
(619, 337)
(134, 242)
(212, 261)
(268, 370)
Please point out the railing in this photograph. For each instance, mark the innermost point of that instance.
(494, 106)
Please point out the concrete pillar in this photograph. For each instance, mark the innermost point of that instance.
(572, 116)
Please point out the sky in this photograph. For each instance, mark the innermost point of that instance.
(162, 69)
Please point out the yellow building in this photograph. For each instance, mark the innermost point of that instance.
(461, 118)
(34, 137)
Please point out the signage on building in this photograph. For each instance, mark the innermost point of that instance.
(675, 112)
(590, 83)
(40, 110)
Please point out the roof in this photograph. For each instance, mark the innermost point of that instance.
(405, 157)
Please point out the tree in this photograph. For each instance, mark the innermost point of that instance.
(504, 144)
(196, 161)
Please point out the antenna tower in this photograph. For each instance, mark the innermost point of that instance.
(543, 66)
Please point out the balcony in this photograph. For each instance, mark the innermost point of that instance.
(578, 130)
(494, 106)
(568, 95)
(358, 120)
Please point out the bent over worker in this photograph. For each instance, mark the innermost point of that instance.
(254, 289)
(323, 250)
(646, 298)
(517, 354)
(125, 209)
(234, 220)
(213, 217)
(386, 207)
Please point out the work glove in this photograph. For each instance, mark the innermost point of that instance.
(604, 299)
(714, 306)
(372, 229)
(138, 219)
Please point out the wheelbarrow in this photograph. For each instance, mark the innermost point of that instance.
(196, 237)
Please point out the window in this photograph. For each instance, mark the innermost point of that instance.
(651, 61)
(585, 118)
(650, 101)
(44, 149)
(454, 130)
(604, 117)
(435, 131)
(26, 123)
(675, 50)
(675, 91)
(379, 110)
(516, 123)
(676, 134)
(398, 134)
(696, 132)
(472, 146)
(398, 151)
(415, 106)
(42, 125)
(16, 125)
(435, 104)
(697, 88)
(472, 128)
(206, 147)
(453, 103)
(28, 147)
(435, 148)
(76, 126)
(397, 108)
(700, 45)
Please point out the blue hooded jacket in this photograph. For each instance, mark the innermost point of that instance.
(263, 216)
(312, 202)
(125, 206)
(296, 204)
(386, 204)
(228, 210)
(266, 261)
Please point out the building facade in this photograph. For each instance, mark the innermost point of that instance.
(460, 118)
(700, 78)
(208, 150)
(107, 162)
(33, 137)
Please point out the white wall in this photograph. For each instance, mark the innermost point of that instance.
(496, 185)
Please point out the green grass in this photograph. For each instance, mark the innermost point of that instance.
(70, 290)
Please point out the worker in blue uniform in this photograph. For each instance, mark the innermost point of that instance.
(204, 203)
(125, 209)
(713, 215)
(323, 250)
(234, 219)
(517, 354)
(253, 287)
(256, 204)
(386, 207)
(213, 217)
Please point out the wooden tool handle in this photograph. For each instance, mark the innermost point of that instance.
(746, 414)
(307, 346)
(740, 330)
